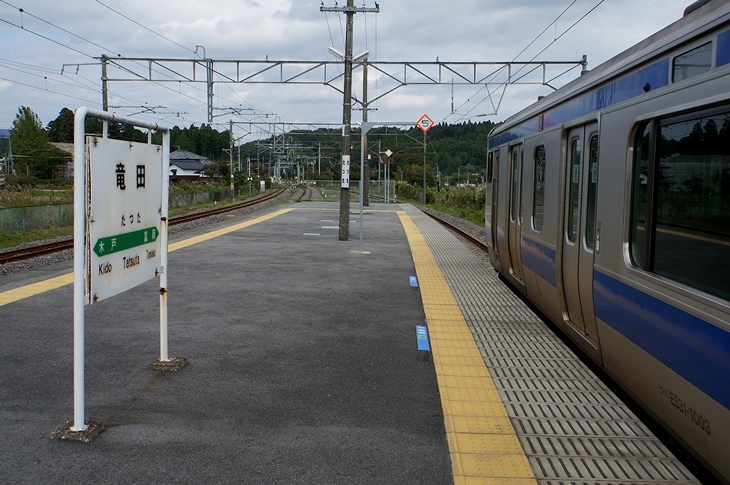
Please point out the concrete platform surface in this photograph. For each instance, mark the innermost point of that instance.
(303, 365)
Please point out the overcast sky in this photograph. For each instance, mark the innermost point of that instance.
(48, 50)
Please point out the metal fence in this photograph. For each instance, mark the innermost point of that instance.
(22, 219)
(330, 190)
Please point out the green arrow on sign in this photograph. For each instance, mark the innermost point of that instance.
(112, 244)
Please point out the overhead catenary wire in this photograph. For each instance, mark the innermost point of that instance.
(145, 27)
(555, 39)
(25, 28)
(23, 11)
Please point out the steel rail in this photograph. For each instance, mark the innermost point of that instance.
(22, 254)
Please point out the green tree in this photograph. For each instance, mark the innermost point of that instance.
(31, 148)
(61, 130)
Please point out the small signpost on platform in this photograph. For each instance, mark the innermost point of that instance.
(120, 234)
(424, 124)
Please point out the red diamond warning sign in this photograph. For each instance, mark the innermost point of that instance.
(424, 123)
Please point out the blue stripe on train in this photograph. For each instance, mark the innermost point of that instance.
(723, 49)
(635, 84)
(539, 259)
(693, 348)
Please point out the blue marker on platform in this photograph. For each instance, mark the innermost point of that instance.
(414, 281)
(422, 338)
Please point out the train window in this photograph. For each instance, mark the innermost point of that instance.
(591, 192)
(640, 195)
(576, 149)
(689, 211)
(692, 63)
(490, 165)
(538, 199)
(516, 212)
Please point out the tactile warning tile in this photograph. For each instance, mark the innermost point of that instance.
(482, 442)
(571, 428)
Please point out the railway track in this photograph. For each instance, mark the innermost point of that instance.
(466, 235)
(21, 254)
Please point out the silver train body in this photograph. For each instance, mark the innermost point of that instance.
(608, 207)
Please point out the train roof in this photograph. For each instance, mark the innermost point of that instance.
(696, 18)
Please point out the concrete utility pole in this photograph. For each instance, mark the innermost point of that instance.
(366, 168)
(230, 160)
(346, 130)
(350, 11)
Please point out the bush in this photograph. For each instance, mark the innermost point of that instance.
(464, 202)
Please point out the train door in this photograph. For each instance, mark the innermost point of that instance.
(579, 228)
(491, 206)
(514, 222)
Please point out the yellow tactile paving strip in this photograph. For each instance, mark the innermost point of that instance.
(27, 291)
(482, 442)
(35, 289)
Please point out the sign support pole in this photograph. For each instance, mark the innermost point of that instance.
(424, 123)
(424, 168)
(164, 357)
(80, 430)
(80, 252)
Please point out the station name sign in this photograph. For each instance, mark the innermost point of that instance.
(123, 224)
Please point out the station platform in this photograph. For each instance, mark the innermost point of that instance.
(303, 367)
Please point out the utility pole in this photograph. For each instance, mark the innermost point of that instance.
(230, 158)
(366, 165)
(350, 11)
(346, 129)
(104, 84)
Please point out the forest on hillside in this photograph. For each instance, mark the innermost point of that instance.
(455, 154)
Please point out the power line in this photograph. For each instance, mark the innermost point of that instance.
(46, 38)
(536, 55)
(23, 11)
(106, 49)
(46, 90)
(144, 27)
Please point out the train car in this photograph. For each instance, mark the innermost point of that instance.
(608, 207)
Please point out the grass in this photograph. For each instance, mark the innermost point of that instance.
(12, 239)
(474, 216)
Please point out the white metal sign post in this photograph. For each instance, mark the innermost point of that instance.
(424, 123)
(120, 229)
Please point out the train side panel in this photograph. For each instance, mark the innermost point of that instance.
(665, 338)
(611, 212)
(541, 221)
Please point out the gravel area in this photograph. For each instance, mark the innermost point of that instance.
(472, 229)
(17, 267)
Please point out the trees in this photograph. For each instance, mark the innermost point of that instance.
(61, 130)
(34, 156)
(456, 153)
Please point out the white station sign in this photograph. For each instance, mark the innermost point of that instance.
(124, 220)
